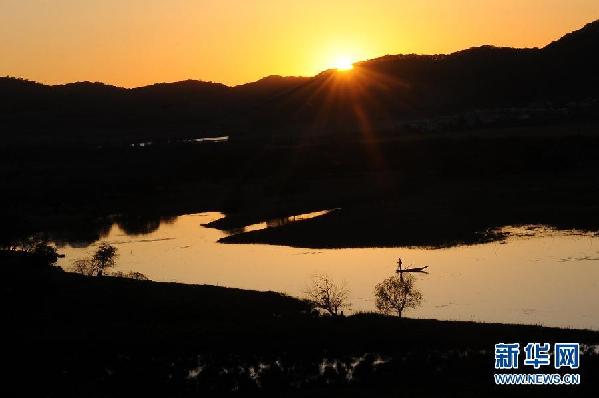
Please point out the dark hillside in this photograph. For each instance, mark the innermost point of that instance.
(379, 93)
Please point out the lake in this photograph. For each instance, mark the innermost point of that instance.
(536, 276)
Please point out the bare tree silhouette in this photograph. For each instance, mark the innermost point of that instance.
(83, 266)
(328, 296)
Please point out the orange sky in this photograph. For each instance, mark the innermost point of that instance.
(138, 42)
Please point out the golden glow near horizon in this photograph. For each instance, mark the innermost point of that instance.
(138, 42)
(344, 64)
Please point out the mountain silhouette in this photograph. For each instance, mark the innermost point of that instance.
(375, 94)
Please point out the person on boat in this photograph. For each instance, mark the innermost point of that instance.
(399, 264)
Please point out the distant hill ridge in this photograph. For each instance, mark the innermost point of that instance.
(383, 89)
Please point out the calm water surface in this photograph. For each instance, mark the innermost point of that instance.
(536, 276)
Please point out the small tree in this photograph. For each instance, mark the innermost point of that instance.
(104, 258)
(397, 293)
(328, 296)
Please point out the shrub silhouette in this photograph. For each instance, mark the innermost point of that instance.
(130, 275)
(33, 251)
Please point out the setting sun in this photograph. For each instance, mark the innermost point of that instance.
(343, 63)
(232, 42)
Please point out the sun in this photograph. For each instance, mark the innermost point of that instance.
(343, 64)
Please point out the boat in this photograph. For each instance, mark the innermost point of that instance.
(413, 269)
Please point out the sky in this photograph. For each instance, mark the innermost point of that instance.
(138, 42)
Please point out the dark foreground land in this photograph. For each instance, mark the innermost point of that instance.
(76, 336)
